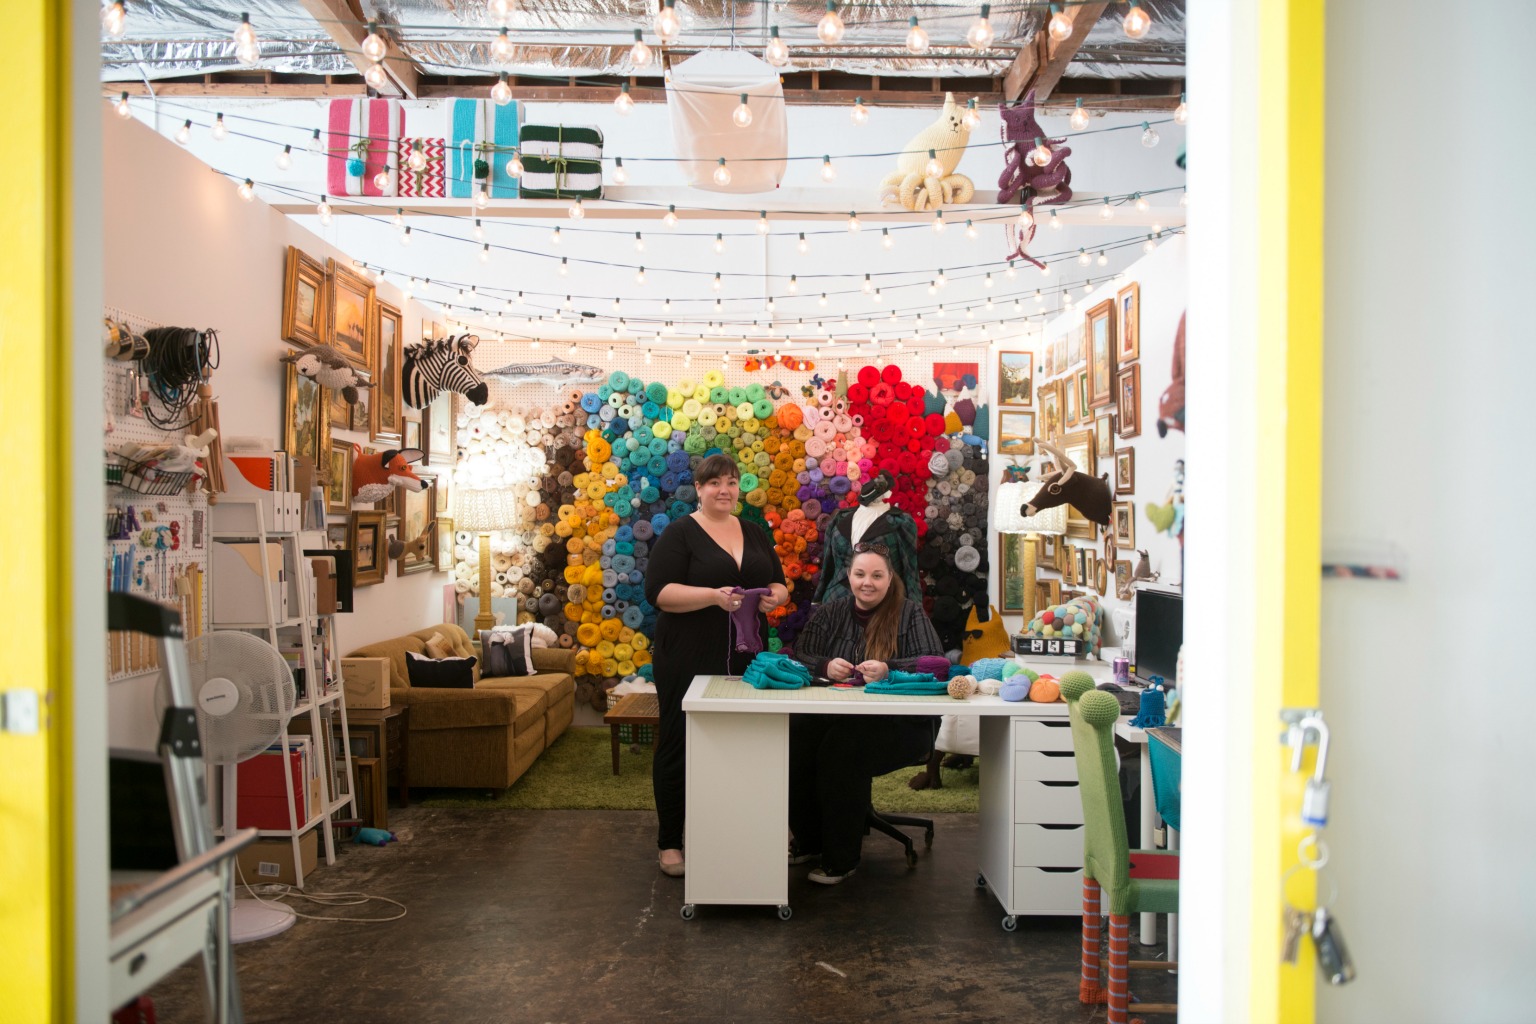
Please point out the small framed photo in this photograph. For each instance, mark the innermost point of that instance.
(437, 430)
(413, 433)
(1015, 432)
(306, 418)
(444, 544)
(1128, 396)
(1123, 519)
(1104, 433)
(1069, 407)
(1084, 398)
(1100, 324)
(417, 511)
(1125, 470)
(1010, 582)
(1049, 409)
(352, 328)
(1069, 567)
(338, 489)
(388, 415)
(1015, 378)
(1128, 308)
(370, 548)
(338, 536)
(1101, 577)
(1123, 579)
(305, 310)
(339, 410)
(1047, 594)
(1079, 447)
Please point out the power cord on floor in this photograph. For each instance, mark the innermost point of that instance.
(325, 899)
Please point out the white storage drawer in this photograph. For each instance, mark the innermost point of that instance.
(1049, 846)
(1047, 803)
(1044, 765)
(1042, 891)
(1055, 734)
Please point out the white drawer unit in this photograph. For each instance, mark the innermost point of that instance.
(1032, 815)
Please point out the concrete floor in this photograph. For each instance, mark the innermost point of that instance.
(561, 916)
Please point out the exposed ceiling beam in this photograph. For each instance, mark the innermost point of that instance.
(1042, 60)
(344, 25)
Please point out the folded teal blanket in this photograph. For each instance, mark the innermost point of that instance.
(912, 684)
(770, 671)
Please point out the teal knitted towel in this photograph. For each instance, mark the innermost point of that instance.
(912, 684)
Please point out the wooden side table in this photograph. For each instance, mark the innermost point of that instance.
(632, 709)
(385, 734)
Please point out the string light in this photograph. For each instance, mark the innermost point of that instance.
(860, 114)
(639, 54)
(515, 166)
(184, 133)
(375, 46)
(877, 298)
(972, 116)
(933, 168)
(639, 243)
(763, 227)
(670, 217)
(1060, 26)
(775, 53)
(1102, 260)
(485, 253)
(483, 197)
(565, 266)
(114, 19)
(1083, 259)
(568, 303)
(398, 220)
(1149, 244)
(1184, 199)
(1041, 154)
(980, 34)
(794, 284)
(247, 190)
(1106, 212)
(624, 102)
(868, 285)
(828, 172)
(1026, 219)
(1149, 137)
(1181, 112)
(803, 246)
(1136, 21)
(576, 210)
(1009, 273)
(940, 279)
(722, 174)
(1045, 270)
(987, 281)
(314, 145)
(571, 352)
(938, 220)
(124, 111)
(610, 349)
(620, 175)
(1079, 118)
(853, 222)
(718, 306)
(499, 9)
(1087, 287)
(554, 236)
(887, 241)
(1039, 297)
(247, 46)
(220, 130)
(667, 24)
(323, 211)
(970, 229)
(917, 36)
(375, 77)
(417, 161)
(830, 28)
(666, 305)
(1142, 206)
(741, 117)
(715, 284)
(479, 230)
(405, 236)
(719, 243)
(617, 306)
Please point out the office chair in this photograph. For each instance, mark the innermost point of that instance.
(886, 824)
(1150, 885)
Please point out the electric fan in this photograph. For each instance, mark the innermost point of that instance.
(244, 695)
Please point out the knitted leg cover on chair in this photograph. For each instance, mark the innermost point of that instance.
(1119, 967)
(1089, 988)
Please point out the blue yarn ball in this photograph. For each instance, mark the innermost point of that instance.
(355, 168)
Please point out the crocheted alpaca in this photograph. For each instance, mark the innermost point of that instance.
(1025, 180)
(911, 185)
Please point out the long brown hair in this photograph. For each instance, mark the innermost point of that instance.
(881, 642)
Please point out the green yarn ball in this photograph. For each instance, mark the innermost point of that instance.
(1076, 683)
(1099, 708)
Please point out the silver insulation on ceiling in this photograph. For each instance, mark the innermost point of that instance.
(561, 38)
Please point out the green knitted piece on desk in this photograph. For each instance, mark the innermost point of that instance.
(770, 671)
(913, 684)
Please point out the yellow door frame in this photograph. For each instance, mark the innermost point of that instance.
(37, 829)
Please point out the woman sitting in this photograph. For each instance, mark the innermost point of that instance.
(834, 758)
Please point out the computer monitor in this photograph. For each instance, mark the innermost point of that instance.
(1159, 632)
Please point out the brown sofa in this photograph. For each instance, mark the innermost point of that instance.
(484, 737)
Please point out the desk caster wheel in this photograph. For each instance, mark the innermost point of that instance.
(1010, 923)
(981, 881)
(928, 837)
(785, 913)
(911, 858)
(687, 911)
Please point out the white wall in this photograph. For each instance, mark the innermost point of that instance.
(180, 247)
(1428, 363)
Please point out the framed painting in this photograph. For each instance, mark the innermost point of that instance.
(304, 300)
(1080, 345)
(1069, 401)
(1048, 397)
(1123, 520)
(1083, 574)
(1010, 582)
(444, 544)
(306, 418)
(412, 433)
(370, 548)
(1015, 432)
(418, 509)
(1101, 577)
(1048, 360)
(1047, 594)
(1059, 347)
(1128, 323)
(1125, 470)
(1069, 566)
(353, 315)
(387, 422)
(1084, 399)
(1078, 446)
(338, 536)
(437, 431)
(338, 489)
(1015, 378)
(1104, 433)
(338, 409)
(1128, 397)
(1100, 325)
(362, 410)
(1123, 579)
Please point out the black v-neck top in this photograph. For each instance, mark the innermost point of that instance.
(698, 642)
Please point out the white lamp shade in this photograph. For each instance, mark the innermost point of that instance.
(484, 510)
(1012, 497)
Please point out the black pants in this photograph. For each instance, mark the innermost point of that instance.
(832, 762)
(669, 779)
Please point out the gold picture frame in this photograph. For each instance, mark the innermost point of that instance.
(444, 544)
(387, 423)
(306, 418)
(1069, 409)
(338, 489)
(1104, 433)
(1128, 321)
(353, 319)
(1015, 378)
(1015, 432)
(1123, 579)
(1125, 470)
(1101, 577)
(1047, 594)
(438, 430)
(338, 410)
(1099, 325)
(1048, 408)
(1128, 400)
(305, 307)
(1010, 581)
(370, 548)
(418, 510)
(1123, 521)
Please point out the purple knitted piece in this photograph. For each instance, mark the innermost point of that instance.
(932, 664)
(744, 620)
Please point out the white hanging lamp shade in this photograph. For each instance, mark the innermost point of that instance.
(703, 92)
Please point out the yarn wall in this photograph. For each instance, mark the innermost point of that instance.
(618, 462)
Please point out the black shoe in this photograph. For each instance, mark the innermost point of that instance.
(821, 876)
(799, 856)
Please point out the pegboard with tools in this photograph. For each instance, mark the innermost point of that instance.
(156, 543)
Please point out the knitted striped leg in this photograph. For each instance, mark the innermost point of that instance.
(1119, 967)
(1089, 988)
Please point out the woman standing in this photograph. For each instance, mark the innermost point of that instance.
(696, 567)
(833, 759)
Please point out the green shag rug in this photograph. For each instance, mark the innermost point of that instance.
(577, 774)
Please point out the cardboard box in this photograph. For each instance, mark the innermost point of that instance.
(271, 859)
(325, 585)
(367, 682)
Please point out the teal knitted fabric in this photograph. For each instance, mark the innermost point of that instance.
(770, 671)
(914, 684)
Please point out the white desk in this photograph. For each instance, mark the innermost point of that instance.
(738, 786)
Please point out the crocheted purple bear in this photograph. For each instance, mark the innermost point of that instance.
(1022, 179)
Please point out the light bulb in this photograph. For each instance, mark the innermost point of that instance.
(741, 117)
(554, 236)
(1102, 260)
(623, 102)
(620, 175)
(640, 276)
(770, 304)
(417, 161)
(501, 92)
(970, 229)
(1041, 154)
(1136, 21)
(1039, 297)
(610, 350)
(576, 211)
(485, 253)
(323, 211)
(1055, 221)
(1045, 270)
(972, 116)
(647, 357)
(617, 306)
(284, 159)
(938, 220)
(639, 243)
(398, 220)
(114, 19)
(515, 166)
(762, 222)
(853, 222)
(823, 300)
(828, 172)
(933, 168)
(794, 284)
(939, 279)
(247, 46)
(868, 285)
(479, 230)
(220, 129)
(1026, 219)
(1181, 112)
(405, 237)
(184, 133)
(381, 180)
(1079, 119)
(314, 145)
(860, 113)
(501, 48)
(499, 9)
(124, 111)
(247, 190)
(803, 246)
(1157, 229)
(1149, 137)
(1060, 25)
(571, 351)
(1106, 212)
(1009, 272)
(565, 266)
(917, 36)
(482, 197)
(719, 243)
(568, 303)
(1149, 244)
(719, 308)
(639, 54)
(1083, 259)
(830, 28)
(877, 298)
(670, 217)
(667, 24)
(374, 46)
(715, 284)
(666, 305)
(1142, 206)
(375, 77)
(722, 174)
(775, 53)
(979, 35)
(940, 314)
(887, 241)
(987, 281)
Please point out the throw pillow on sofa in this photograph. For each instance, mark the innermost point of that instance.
(508, 652)
(439, 648)
(440, 673)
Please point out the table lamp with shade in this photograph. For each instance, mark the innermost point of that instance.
(1048, 522)
(484, 510)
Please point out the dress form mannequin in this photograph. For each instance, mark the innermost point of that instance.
(873, 520)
